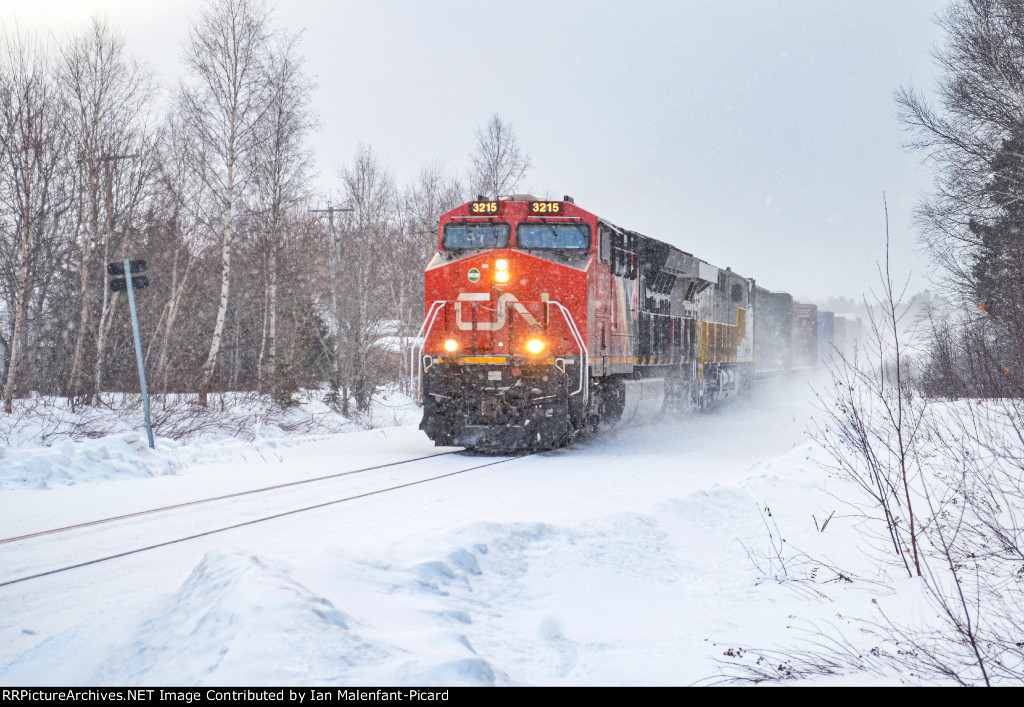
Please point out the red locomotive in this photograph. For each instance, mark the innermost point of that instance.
(544, 320)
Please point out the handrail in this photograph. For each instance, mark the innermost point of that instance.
(416, 359)
(700, 362)
(585, 367)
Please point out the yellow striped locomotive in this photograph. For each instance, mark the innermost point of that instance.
(544, 321)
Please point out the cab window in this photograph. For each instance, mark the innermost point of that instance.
(465, 236)
(553, 236)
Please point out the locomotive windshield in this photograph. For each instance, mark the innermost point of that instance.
(561, 236)
(461, 236)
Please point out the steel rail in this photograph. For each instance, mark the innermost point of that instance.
(235, 526)
(197, 502)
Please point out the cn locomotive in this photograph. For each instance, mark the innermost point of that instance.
(544, 321)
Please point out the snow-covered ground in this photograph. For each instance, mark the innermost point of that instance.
(648, 555)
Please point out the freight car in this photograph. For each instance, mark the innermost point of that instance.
(544, 321)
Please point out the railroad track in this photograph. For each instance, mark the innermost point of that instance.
(143, 546)
(211, 499)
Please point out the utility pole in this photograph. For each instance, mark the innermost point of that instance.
(107, 304)
(335, 252)
(106, 160)
(330, 211)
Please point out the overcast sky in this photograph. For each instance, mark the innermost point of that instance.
(756, 134)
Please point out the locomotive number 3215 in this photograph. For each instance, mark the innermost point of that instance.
(545, 207)
(484, 207)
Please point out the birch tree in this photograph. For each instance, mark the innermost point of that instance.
(280, 169)
(183, 204)
(224, 102)
(33, 154)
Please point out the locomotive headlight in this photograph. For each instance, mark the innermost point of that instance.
(501, 264)
(501, 270)
(535, 346)
(501, 276)
(450, 345)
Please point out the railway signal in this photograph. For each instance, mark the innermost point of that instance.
(121, 285)
(118, 271)
(122, 281)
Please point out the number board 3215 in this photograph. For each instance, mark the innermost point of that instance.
(546, 207)
(484, 207)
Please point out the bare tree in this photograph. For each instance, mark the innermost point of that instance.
(107, 96)
(33, 142)
(126, 180)
(498, 163)
(418, 216)
(280, 169)
(434, 192)
(873, 423)
(941, 486)
(224, 104)
(183, 206)
(369, 234)
(978, 122)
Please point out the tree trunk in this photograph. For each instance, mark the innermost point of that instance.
(272, 333)
(260, 373)
(225, 280)
(19, 307)
(92, 233)
(106, 312)
(172, 316)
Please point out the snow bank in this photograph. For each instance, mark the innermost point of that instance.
(49, 448)
(44, 421)
(67, 462)
(236, 620)
(122, 456)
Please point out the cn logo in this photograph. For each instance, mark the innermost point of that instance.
(502, 308)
